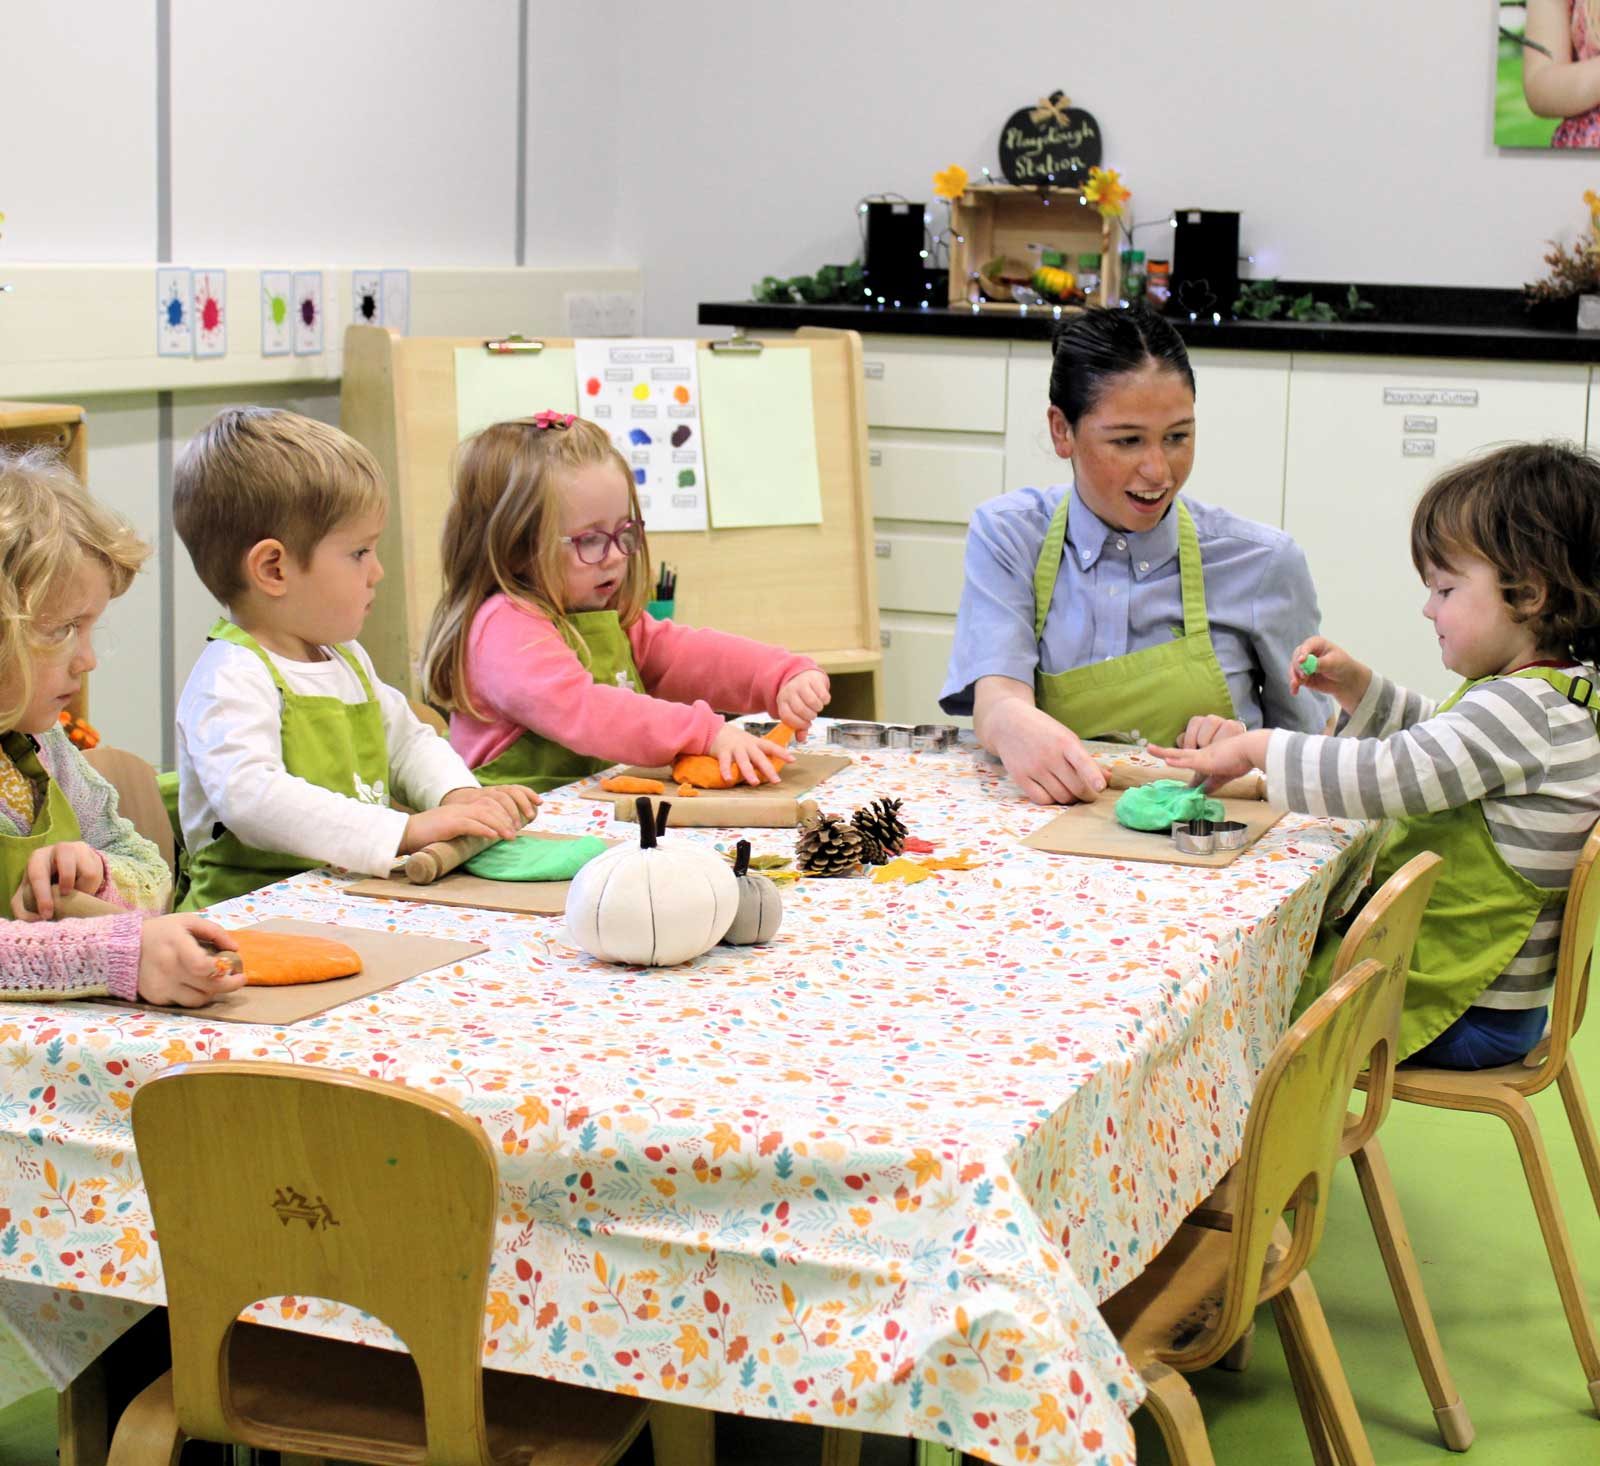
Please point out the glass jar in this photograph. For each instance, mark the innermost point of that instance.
(1089, 275)
(1158, 283)
(1133, 276)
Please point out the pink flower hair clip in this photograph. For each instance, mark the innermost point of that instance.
(552, 419)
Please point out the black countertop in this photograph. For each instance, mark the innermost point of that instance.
(1485, 340)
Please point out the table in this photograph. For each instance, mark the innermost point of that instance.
(876, 1174)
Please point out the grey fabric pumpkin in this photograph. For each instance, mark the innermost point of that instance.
(760, 910)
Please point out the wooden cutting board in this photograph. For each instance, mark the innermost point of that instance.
(750, 806)
(1092, 829)
(461, 888)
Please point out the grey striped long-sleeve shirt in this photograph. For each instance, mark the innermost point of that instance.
(1515, 743)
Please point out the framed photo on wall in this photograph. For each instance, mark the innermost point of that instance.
(1547, 74)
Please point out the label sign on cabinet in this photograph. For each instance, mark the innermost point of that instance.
(872, 370)
(1416, 447)
(1417, 424)
(882, 549)
(884, 638)
(1430, 396)
(875, 458)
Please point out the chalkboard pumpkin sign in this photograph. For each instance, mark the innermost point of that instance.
(1049, 143)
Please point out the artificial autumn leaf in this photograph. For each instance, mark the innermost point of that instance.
(951, 182)
(1105, 191)
(901, 869)
(963, 861)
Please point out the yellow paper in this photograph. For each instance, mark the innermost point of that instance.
(491, 388)
(760, 438)
(901, 869)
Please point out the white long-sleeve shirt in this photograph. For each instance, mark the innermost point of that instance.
(1514, 743)
(231, 772)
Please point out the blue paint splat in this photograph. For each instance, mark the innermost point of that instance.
(639, 438)
(639, 476)
(175, 312)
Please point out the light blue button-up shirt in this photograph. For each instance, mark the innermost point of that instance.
(1118, 592)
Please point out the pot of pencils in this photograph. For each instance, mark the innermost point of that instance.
(664, 602)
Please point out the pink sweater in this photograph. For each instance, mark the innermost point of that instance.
(74, 959)
(522, 675)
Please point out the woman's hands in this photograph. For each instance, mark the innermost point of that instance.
(1207, 728)
(1222, 761)
(1046, 759)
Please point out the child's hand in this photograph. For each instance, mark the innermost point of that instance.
(755, 758)
(477, 816)
(1226, 759)
(1337, 673)
(1205, 729)
(801, 698)
(175, 968)
(521, 804)
(72, 865)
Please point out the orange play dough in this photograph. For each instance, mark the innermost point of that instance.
(704, 772)
(628, 784)
(282, 959)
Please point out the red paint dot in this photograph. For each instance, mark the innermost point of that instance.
(210, 314)
(592, 386)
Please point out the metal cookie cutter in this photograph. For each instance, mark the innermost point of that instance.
(856, 735)
(896, 735)
(1230, 834)
(932, 737)
(1195, 837)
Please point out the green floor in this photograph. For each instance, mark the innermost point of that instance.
(1484, 1265)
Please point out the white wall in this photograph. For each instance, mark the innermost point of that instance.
(1356, 139)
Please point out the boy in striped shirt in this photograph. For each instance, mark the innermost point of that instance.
(1502, 779)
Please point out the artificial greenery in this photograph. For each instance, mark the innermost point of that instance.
(1261, 300)
(1573, 271)
(832, 283)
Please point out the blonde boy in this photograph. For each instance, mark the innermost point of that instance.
(289, 746)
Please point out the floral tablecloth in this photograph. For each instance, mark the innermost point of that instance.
(875, 1174)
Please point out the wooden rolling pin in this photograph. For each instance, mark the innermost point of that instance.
(73, 904)
(1121, 774)
(425, 866)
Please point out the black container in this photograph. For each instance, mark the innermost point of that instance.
(1205, 262)
(894, 258)
(1553, 315)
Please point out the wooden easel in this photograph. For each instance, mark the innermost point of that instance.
(61, 427)
(810, 588)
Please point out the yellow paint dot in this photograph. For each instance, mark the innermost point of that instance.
(641, 391)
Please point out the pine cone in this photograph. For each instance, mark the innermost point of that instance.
(882, 831)
(827, 846)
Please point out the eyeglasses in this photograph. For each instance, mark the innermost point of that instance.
(63, 643)
(594, 544)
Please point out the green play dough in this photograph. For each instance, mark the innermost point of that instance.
(1159, 805)
(536, 860)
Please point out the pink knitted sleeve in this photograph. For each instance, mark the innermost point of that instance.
(93, 957)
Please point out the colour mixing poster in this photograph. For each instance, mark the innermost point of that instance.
(646, 395)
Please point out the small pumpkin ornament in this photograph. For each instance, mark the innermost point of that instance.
(760, 910)
(651, 905)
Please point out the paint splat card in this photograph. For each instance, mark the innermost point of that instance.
(174, 313)
(646, 395)
(210, 312)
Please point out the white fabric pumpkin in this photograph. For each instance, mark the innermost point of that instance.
(760, 910)
(651, 905)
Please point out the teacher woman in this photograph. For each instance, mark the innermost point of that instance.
(1109, 606)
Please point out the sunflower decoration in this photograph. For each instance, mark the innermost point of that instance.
(1105, 191)
(950, 183)
(1590, 197)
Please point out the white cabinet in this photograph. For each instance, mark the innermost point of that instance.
(916, 656)
(1366, 435)
(944, 386)
(933, 477)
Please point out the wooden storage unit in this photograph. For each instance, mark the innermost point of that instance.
(995, 219)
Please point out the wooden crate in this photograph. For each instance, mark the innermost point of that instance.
(995, 219)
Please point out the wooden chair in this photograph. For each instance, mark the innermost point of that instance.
(1386, 931)
(273, 1179)
(1505, 1092)
(138, 795)
(1198, 1296)
(427, 713)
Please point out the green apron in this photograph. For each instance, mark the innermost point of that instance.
(542, 763)
(55, 824)
(1156, 690)
(327, 742)
(1480, 913)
